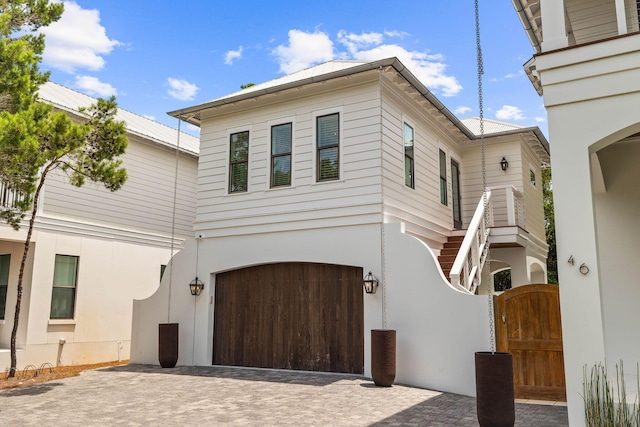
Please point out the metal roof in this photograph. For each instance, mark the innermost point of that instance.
(317, 74)
(69, 100)
(490, 126)
(493, 128)
(337, 69)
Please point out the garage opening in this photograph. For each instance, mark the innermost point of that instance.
(301, 316)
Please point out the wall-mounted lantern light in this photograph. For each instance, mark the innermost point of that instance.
(196, 287)
(504, 164)
(370, 283)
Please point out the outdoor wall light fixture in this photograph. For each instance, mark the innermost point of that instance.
(504, 164)
(196, 287)
(370, 283)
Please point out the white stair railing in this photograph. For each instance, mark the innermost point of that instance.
(467, 267)
(506, 208)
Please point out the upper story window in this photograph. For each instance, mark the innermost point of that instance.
(328, 147)
(532, 175)
(239, 162)
(63, 295)
(409, 172)
(281, 155)
(5, 261)
(443, 178)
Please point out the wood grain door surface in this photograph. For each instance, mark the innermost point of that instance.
(528, 326)
(302, 316)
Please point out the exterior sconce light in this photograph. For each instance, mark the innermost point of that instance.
(370, 283)
(504, 164)
(196, 287)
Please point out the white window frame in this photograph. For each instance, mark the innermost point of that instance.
(75, 288)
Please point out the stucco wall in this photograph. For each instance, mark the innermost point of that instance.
(435, 341)
(111, 274)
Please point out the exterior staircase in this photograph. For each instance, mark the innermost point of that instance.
(449, 252)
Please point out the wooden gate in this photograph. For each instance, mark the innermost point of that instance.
(528, 326)
(301, 316)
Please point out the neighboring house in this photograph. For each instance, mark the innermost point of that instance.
(308, 182)
(92, 251)
(587, 67)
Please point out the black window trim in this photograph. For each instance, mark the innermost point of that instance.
(275, 156)
(326, 147)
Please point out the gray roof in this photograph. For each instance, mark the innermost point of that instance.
(490, 126)
(307, 73)
(539, 144)
(69, 100)
(321, 73)
(336, 69)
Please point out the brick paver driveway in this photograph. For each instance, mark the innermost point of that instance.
(143, 395)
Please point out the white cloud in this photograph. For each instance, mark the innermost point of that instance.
(462, 110)
(507, 76)
(303, 51)
(232, 55)
(509, 112)
(429, 69)
(540, 119)
(94, 87)
(149, 116)
(181, 89)
(77, 40)
(356, 42)
(306, 49)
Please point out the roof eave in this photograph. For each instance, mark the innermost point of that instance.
(189, 114)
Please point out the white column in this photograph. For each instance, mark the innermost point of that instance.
(621, 15)
(554, 32)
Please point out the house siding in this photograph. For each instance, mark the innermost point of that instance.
(353, 199)
(144, 204)
(420, 208)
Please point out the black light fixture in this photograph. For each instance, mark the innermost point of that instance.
(504, 164)
(370, 283)
(196, 287)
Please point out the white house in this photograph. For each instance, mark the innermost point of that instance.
(308, 182)
(587, 67)
(93, 252)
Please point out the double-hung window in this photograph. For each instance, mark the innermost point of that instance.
(443, 178)
(281, 155)
(328, 147)
(63, 296)
(239, 162)
(409, 172)
(5, 261)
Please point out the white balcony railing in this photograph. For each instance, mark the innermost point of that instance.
(8, 197)
(506, 209)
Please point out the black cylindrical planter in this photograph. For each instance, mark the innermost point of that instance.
(383, 356)
(494, 389)
(168, 344)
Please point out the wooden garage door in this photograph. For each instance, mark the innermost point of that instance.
(302, 316)
(528, 326)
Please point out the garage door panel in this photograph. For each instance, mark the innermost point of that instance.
(290, 315)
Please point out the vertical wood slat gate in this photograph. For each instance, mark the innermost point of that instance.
(528, 326)
(302, 316)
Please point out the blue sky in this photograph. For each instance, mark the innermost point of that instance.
(159, 56)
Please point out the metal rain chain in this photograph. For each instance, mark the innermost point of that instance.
(494, 371)
(485, 255)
